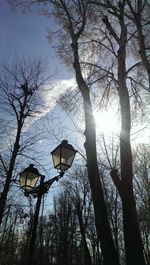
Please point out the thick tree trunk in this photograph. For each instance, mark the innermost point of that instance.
(133, 242)
(109, 252)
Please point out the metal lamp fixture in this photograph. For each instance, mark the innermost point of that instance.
(28, 178)
(63, 156)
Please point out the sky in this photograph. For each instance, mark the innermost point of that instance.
(26, 35)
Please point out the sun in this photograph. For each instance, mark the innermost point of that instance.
(106, 121)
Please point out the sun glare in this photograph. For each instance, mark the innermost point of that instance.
(106, 121)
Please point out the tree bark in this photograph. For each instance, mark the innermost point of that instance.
(110, 255)
(133, 242)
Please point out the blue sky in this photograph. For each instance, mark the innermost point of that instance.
(26, 35)
(22, 33)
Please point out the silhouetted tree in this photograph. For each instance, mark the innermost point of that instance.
(19, 85)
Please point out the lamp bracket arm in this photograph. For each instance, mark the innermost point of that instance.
(47, 184)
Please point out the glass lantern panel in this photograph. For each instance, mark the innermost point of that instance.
(67, 156)
(63, 156)
(56, 158)
(28, 180)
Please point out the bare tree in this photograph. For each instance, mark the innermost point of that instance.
(19, 85)
(80, 194)
(72, 16)
(124, 183)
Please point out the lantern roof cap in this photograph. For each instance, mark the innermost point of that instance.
(31, 169)
(64, 143)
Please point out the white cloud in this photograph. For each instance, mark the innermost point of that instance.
(49, 95)
(52, 94)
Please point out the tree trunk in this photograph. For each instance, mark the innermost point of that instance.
(4, 194)
(109, 252)
(133, 242)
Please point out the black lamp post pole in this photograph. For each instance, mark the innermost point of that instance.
(35, 221)
(63, 157)
(40, 190)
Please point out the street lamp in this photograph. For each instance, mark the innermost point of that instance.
(63, 157)
(28, 178)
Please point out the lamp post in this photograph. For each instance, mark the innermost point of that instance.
(63, 157)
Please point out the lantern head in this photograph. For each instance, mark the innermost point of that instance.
(28, 178)
(63, 156)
